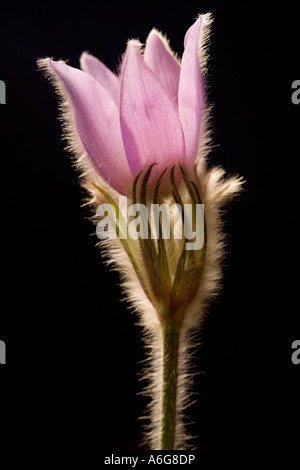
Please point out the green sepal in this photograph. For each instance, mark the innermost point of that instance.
(123, 240)
(162, 253)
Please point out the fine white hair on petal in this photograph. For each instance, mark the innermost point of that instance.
(166, 42)
(204, 145)
(70, 137)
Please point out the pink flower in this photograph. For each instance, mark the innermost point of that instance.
(151, 112)
(118, 126)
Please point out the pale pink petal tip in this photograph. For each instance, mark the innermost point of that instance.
(102, 74)
(162, 62)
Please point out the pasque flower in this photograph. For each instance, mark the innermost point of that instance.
(144, 133)
(151, 112)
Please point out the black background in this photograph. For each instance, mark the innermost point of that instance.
(73, 350)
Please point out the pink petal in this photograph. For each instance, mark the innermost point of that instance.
(150, 124)
(191, 93)
(102, 74)
(160, 60)
(97, 122)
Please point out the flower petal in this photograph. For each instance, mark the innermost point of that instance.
(150, 124)
(160, 60)
(191, 92)
(96, 120)
(102, 74)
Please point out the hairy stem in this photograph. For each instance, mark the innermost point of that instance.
(170, 334)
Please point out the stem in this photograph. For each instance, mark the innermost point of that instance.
(170, 335)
